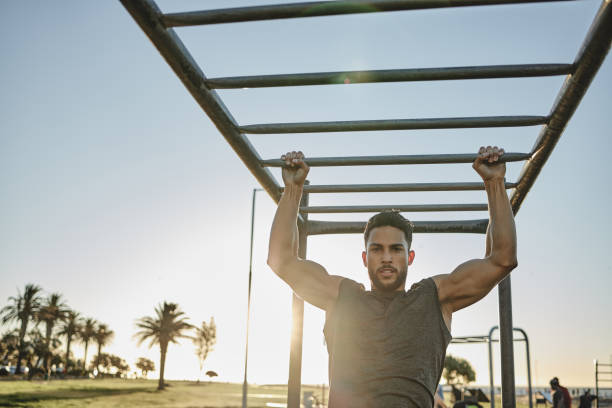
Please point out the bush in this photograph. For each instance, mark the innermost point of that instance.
(3, 372)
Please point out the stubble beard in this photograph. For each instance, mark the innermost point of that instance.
(388, 287)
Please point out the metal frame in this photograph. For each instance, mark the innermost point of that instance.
(580, 73)
(489, 340)
(598, 379)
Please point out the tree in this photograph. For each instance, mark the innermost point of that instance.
(87, 332)
(166, 327)
(121, 367)
(70, 329)
(52, 311)
(22, 309)
(9, 346)
(204, 340)
(458, 370)
(103, 336)
(145, 365)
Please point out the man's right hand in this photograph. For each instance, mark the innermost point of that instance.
(295, 169)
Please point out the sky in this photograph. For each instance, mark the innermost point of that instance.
(119, 193)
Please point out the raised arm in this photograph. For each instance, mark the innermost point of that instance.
(472, 280)
(308, 279)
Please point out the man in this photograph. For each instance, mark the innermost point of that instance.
(387, 346)
(561, 396)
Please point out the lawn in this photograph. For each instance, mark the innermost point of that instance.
(137, 393)
(143, 393)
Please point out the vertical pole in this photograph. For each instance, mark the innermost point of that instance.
(596, 384)
(506, 343)
(491, 382)
(246, 352)
(528, 367)
(295, 355)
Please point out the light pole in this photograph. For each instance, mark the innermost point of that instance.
(246, 352)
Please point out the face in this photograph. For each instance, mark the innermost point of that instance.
(387, 258)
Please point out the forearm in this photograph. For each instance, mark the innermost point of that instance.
(284, 233)
(501, 233)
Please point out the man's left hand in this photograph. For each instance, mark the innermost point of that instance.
(487, 163)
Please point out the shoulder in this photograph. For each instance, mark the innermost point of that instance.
(350, 287)
(427, 285)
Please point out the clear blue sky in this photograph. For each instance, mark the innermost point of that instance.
(118, 192)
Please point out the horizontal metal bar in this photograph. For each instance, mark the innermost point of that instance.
(148, 16)
(382, 188)
(390, 75)
(590, 57)
(402, 208)
(317, 8)
(391, 160)
(395, 124)
(351, 227)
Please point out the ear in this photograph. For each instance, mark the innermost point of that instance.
(410, 257)
(364, 257)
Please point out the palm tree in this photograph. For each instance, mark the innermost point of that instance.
(166, 327)
(52, 311)
(103, 336)
(204, 340)
(87, 332)
(70, 328)
(22, 309)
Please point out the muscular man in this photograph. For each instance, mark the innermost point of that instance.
(386, 346)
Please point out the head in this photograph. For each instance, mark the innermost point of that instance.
(554, 383)
(387, 253)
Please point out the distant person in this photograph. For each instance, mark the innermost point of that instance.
(386, 346)
(586, 399)
(561, 397)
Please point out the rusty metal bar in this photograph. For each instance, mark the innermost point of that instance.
(590, 57)
(357, 227)
(402, 208)
(395, 124)
(391, 160)
(316, 9)
(381, 188)
(506, 340)
(149, 18)
(390, 75)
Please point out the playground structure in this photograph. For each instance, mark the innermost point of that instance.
(606, 370)
(579, 74)
(490, 340)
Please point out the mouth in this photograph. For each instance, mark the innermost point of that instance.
(387, 272)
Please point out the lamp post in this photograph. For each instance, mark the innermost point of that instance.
(246, 352)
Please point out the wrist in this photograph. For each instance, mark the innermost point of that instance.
(494, 180)
(293, 191)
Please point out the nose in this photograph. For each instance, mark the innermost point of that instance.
(387, 256)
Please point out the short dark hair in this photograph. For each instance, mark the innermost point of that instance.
(391, 218)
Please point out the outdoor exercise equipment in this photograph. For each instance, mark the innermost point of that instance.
(579, 74)
(490, 340)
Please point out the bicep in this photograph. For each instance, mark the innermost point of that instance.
(469, 282)
(311, 282)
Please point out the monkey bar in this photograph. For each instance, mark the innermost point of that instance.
(579, 74)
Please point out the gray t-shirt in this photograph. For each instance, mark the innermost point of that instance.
(385, 350)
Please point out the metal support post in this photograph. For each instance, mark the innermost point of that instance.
(246, 352)
(491, 382)
(597, 383)
(506, 344)
(529, 390)
(295, 355)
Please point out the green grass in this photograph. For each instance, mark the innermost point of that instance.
(143, 393)
(136, 393)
